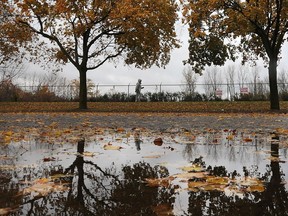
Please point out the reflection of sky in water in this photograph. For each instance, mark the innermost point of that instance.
(215, 149)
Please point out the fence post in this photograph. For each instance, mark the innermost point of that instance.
(227, 91)
(128, 92)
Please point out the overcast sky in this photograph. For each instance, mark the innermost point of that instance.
(112, 74)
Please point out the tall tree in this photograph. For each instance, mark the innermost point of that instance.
(260, 27)
(88, 33)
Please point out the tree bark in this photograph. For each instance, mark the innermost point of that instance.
(274, 96)
(80, 146)
(83, 89)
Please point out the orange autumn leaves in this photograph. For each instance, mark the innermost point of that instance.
(198, 178)
(7, 137)
(45, 186)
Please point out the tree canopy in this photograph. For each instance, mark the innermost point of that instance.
(222, 30)
(88, 33)
(11, 37)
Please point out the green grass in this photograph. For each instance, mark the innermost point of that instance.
(192, 107)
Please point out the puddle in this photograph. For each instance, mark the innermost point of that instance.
(141, 172)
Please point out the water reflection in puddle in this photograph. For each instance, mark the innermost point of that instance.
(140, 172)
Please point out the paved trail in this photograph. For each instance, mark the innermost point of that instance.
(153, 121)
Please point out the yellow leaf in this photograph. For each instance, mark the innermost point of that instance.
(196, 184)
(58, 133)
(256, 188)
(218, 180)
(112, 147)
(128, 135)
(42, 180)
(8, 133)
(230, 137)
(193, 168)
(250, 181)
(213, 187)
(7, 139)
(88, 154)
(191, 175)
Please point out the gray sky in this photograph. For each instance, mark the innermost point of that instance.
(110, 73)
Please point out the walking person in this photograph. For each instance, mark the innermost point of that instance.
(138, 90)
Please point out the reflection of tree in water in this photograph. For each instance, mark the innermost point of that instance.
(93, 190)
(275, 198)
(134, 197)
(100, 192)
(97, 191)
(273, 201)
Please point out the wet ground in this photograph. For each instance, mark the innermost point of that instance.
(143, 164)
(152, 121)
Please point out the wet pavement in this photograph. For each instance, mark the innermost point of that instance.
(160, 121)
(143, 164)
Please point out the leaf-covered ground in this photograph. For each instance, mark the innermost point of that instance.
(154, 121)
(215, 106)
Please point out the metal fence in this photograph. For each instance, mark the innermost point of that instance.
(227, 91)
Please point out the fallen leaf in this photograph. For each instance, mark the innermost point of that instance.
(256, 188)
(158, 141)
(213, 187)
(247, 181)
(217, 180)
(275, 159)
(48, 159)
(8, 133)
(196, 184)
(191, 175)
(120, 130)
(193, 168)
(247, 139)
(111, 147)
(159, 182)
(163, 209)
(43, 187)
(230, 137)
(88, 154)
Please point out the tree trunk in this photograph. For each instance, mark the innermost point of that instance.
(83, 89)
(274, 97)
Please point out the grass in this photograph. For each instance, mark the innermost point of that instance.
(192, 107)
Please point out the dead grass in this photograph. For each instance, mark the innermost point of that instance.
(192, 107)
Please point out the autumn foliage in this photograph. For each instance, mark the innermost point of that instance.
(88, 34)
(222, 30)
